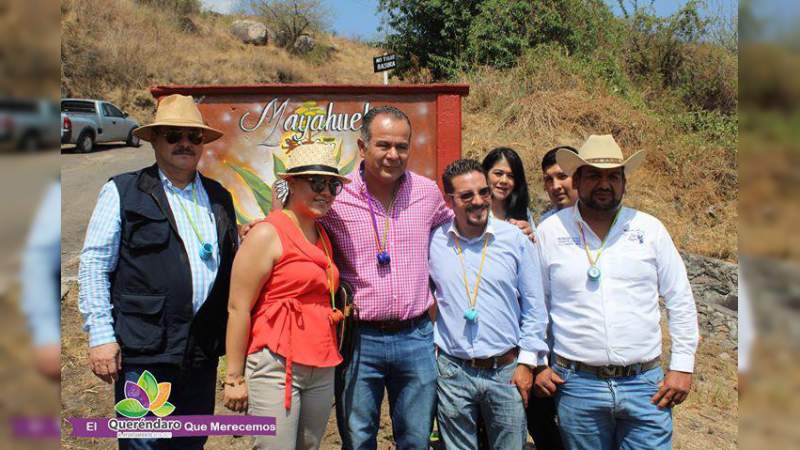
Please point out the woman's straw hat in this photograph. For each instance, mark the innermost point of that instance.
(312, 159)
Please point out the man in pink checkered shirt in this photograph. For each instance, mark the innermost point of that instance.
(380, 226)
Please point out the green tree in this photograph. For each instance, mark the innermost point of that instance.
(499, 33)
(429, 35)
(446, 37)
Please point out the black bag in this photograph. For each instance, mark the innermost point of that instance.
(346, 328)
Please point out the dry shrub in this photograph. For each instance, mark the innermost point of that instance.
(29, 48)
(689, 183)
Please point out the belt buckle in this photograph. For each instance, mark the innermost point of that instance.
(607, 372)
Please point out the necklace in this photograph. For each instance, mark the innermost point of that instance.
(335, 316)
(471, 314)
(594, 272)
(206, 249)
(383, 249)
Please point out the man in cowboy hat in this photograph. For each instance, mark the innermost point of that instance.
(605, 268)
(155, 270)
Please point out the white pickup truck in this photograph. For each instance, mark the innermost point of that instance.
(88, 122)
(28, 124)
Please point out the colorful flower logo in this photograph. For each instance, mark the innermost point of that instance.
(145, 395)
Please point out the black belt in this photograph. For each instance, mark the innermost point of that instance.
(492, 362)
(393, 326)
(608, 371)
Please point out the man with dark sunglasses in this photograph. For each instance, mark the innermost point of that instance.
(155, 271)
(492, 319)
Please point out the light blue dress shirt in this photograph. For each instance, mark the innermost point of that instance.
(510, 302)
(41, 264)
(101, 253)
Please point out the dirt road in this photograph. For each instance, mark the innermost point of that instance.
(82, 176)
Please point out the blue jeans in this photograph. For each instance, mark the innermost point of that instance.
(403, 364)
(465, 392)
(614, 413)
(192, 393)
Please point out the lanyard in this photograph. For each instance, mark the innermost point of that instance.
(383, 254)
(189, 216)
(335, 315)
(472, 297)
(593, 262)
(329, 270)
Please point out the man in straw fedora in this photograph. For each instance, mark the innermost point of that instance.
(155, 271)
(605, 268)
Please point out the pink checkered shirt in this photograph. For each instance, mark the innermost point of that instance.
(399, 291)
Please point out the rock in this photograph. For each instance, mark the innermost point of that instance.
(187, 25)
(250, 32)
(304, 44)
(712, 280)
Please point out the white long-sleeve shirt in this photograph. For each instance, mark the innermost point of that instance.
(615, 321)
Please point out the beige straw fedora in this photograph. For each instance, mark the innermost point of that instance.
(178, 111)
(312, 159)
(599, 151)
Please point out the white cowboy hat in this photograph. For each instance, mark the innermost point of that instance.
(178, 111)
(312, 159)
(599, 151)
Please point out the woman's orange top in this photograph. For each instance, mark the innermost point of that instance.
(292, 316)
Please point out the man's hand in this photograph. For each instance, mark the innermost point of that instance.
(48, 361)
(235, 396)
(546, 383)
(525, 227)
(523, 378)
(106, 361)
(673, 390)
(244, 229)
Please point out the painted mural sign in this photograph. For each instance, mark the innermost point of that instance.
(263, 124)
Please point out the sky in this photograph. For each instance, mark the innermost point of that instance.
(360, 19)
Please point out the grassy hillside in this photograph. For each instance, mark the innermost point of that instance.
(116, 49)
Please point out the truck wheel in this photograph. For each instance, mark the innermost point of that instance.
(133, 140)
(85, 143)
(29, 142)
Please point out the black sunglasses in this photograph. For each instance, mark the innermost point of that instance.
(175, 136)
(319, 182)
(467, 197)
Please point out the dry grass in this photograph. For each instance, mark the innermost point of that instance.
(689, 183)
(29, 48)
(117, 49)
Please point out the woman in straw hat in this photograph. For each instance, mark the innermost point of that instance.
(281, 341)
